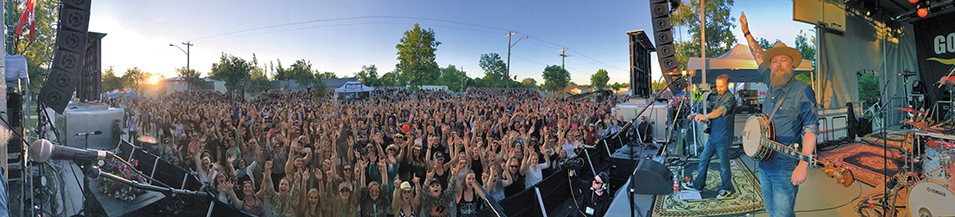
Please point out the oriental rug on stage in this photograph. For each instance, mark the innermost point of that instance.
(866, 162)
(746, 196)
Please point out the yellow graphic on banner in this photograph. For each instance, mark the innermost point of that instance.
(944, 61)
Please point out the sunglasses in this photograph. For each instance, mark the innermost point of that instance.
(374, 191)
(515, 166)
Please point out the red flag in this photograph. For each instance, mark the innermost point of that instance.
(28, 15)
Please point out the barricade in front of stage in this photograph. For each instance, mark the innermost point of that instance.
(551, 193)
(175, 177)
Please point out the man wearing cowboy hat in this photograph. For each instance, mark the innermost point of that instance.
(792, 109)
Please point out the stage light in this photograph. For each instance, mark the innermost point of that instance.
(922, 9)
(869, 8)
(913, 1)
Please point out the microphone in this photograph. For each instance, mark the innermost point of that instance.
(42, 150)
(86, 134)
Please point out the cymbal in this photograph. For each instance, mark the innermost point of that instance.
(918, 125)
(910, 110)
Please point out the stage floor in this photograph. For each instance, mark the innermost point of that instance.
(819, 196)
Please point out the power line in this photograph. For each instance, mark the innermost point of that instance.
(344, 19)
(546, 43)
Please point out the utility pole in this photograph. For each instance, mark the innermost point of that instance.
(507, 74)
(188, 45)
(703, 42)
(562, 56)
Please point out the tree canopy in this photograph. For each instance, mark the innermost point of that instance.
(719, 25)
(599, 80)
(39, 51)
(452, 77)
(555, 78)
(191, 76)
(416, 59)
(494, 69)
(233, 70)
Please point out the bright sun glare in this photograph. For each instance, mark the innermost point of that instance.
(154, 79)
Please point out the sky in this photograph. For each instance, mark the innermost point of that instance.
(343, 36)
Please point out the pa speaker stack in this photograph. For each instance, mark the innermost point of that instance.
(660, 11)
(68, 58)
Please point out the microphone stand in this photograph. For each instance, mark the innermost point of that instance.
(627, 127)
(885, 147)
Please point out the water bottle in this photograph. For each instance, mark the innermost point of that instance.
(676, 187)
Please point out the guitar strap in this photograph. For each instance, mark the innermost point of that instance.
(780, 103)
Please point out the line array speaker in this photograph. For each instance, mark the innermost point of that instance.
(71, 39)
(660, 11)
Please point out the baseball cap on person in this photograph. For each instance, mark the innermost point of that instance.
(438, 155)
(406, 186)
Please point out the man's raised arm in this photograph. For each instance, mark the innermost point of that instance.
(753, 44)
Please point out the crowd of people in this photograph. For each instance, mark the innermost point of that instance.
(289, 153)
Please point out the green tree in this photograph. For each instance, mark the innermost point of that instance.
(529, 82)
(318, 83)
(134, 78)
(453, 78)
(617, 86)
(368, 76)
(258, 81)
(389, 79)
(599, 80)
(494, 69)
(39, 51)
(658, 85)
(191, 76)
(869, 88)
(328, 75)
(555, 78)
(719, 25)
(111, 81)
(416, 59)
(301, 72)
(806, 44)
(281, 74)
(233, 70)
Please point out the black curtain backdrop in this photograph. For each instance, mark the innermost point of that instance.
(935, 40)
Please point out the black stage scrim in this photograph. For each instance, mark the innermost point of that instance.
(935, 49)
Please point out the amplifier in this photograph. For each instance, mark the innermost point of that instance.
(748, 93)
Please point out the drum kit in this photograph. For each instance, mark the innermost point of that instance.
(925, 184)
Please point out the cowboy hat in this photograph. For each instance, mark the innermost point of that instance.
(781, 49)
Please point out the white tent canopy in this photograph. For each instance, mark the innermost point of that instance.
(738, 63)
(16, 70)
(353, 87)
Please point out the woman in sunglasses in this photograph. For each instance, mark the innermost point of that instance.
(370, 197)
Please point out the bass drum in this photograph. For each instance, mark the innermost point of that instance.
(931, 197)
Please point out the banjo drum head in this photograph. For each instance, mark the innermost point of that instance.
(751, 134)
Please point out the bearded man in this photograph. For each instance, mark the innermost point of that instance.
(792, 109)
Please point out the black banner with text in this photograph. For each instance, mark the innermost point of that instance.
(935, 49)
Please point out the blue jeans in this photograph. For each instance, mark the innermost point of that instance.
(719, 146)
(779, 193)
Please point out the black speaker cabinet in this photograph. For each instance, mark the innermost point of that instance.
(653, 178)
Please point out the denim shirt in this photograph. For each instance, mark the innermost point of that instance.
(723, 127)
(796, 115)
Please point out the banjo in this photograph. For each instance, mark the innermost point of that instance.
(758, 135)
